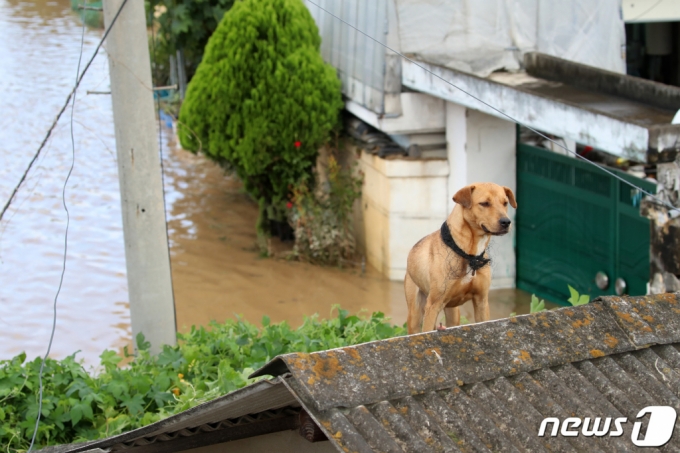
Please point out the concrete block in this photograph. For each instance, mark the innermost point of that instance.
(419, 197)
(421, 113)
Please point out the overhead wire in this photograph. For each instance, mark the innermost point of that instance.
(644, 13)
(61, 112)
(611, 173)
(63, 265)
(72, 99)
(157, 99)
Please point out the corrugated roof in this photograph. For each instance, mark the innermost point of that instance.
(488, 386)
(260, 408)
(478, 388)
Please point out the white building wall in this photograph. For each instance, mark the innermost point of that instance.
(403, 200)
(482, 148)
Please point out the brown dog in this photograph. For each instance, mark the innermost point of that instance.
(439, 277)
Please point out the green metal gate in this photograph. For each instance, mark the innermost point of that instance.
(574, 221)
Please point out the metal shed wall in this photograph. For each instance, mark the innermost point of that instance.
(362, 63)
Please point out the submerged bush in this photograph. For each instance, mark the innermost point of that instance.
(205, 364)
(262, 100)
(322, 218)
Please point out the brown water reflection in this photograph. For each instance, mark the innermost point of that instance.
(216, 271)
(39, 50)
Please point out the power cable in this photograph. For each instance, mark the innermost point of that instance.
(63, 266)
(72, 95)
(644, 13)
(654, 197)
(157, 99)
(54, 124)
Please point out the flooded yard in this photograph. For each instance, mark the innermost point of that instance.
(216, 271)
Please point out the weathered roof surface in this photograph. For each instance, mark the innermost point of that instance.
(488, 386)
(476, 388)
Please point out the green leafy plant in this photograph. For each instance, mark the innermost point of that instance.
(322, 218)
(577, 299)
(536, 304)
(262, 100)
(185, 25)
(206, 363)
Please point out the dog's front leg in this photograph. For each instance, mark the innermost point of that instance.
(480, 302)
(452, 316)
(433, 307)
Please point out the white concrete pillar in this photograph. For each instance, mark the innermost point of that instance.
(456, 144)
(482, 148)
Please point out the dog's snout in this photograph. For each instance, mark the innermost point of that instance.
(505, 222)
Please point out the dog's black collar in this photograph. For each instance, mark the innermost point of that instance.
(476, 262)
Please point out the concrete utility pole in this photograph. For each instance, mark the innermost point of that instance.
(152, 307)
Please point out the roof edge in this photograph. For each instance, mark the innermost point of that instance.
(592, 78)
(195, 416)
(275, 367)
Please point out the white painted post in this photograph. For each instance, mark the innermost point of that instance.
(456, 145)
(152, 308)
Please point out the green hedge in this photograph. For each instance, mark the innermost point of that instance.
(205, 364)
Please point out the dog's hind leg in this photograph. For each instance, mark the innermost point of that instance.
(415, 302)
(452, 316)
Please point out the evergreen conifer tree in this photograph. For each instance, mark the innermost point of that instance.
(262, 100)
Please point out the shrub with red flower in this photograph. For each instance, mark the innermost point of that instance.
(261, 87)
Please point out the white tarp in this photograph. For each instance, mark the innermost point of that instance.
(482, 36)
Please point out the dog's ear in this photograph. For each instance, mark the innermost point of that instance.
(511, 197)
(464, 196)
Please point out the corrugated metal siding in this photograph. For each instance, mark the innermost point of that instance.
(505, 414)
(360, 61)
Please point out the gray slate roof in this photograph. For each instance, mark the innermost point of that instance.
(476, 388)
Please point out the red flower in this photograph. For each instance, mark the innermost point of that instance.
(297, 144)
(289, 205)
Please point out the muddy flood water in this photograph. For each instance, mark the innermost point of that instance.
(216, 270)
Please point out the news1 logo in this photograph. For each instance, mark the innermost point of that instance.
(659, 429)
